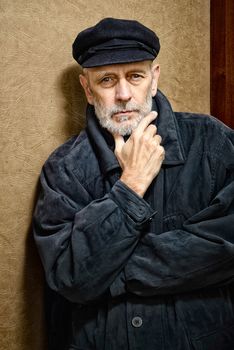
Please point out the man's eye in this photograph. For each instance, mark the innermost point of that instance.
(136, 77)
(106, 80)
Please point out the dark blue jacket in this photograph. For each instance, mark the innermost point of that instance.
(141, 274)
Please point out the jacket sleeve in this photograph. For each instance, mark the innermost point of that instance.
(198, 255)
(84, 243)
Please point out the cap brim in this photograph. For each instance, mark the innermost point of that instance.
(117, 56)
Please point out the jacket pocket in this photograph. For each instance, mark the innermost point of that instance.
(208, 317)
(222, 339)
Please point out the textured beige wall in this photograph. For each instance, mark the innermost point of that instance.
(42, 104)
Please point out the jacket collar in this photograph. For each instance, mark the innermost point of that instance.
(103, 142)
(168, 129)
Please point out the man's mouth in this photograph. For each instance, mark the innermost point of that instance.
(123, 115)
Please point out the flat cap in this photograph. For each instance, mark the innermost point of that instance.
(113, 41)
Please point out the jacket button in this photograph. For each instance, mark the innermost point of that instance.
(137, 321)
(141, 210)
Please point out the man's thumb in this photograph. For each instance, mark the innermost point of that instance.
(119, 142)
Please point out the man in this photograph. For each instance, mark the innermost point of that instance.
(135, 220)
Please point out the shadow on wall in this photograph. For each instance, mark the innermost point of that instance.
(33, 331)
(74, 100)
(37, 299)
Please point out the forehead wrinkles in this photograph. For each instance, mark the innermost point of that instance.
(117, 69)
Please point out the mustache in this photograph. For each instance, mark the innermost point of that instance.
(129, 106)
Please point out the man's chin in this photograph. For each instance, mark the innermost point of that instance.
(124, 128)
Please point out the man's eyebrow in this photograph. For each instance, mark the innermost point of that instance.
(101, 74)
(138, 70)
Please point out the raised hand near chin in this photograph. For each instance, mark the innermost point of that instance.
(141, 156)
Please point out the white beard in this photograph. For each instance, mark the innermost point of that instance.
(105, 114)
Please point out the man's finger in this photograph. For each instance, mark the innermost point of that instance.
(146, 121)
(158, 139)
(151, 130)
(119, 142)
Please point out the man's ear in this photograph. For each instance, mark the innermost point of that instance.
(85, 84)
(155, 74)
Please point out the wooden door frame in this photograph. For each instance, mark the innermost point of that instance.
(222, 60)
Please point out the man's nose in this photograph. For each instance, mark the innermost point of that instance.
(123, 91)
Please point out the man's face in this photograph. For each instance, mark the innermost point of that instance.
(121, 93)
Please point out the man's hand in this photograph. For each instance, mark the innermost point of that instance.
(141, 156)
